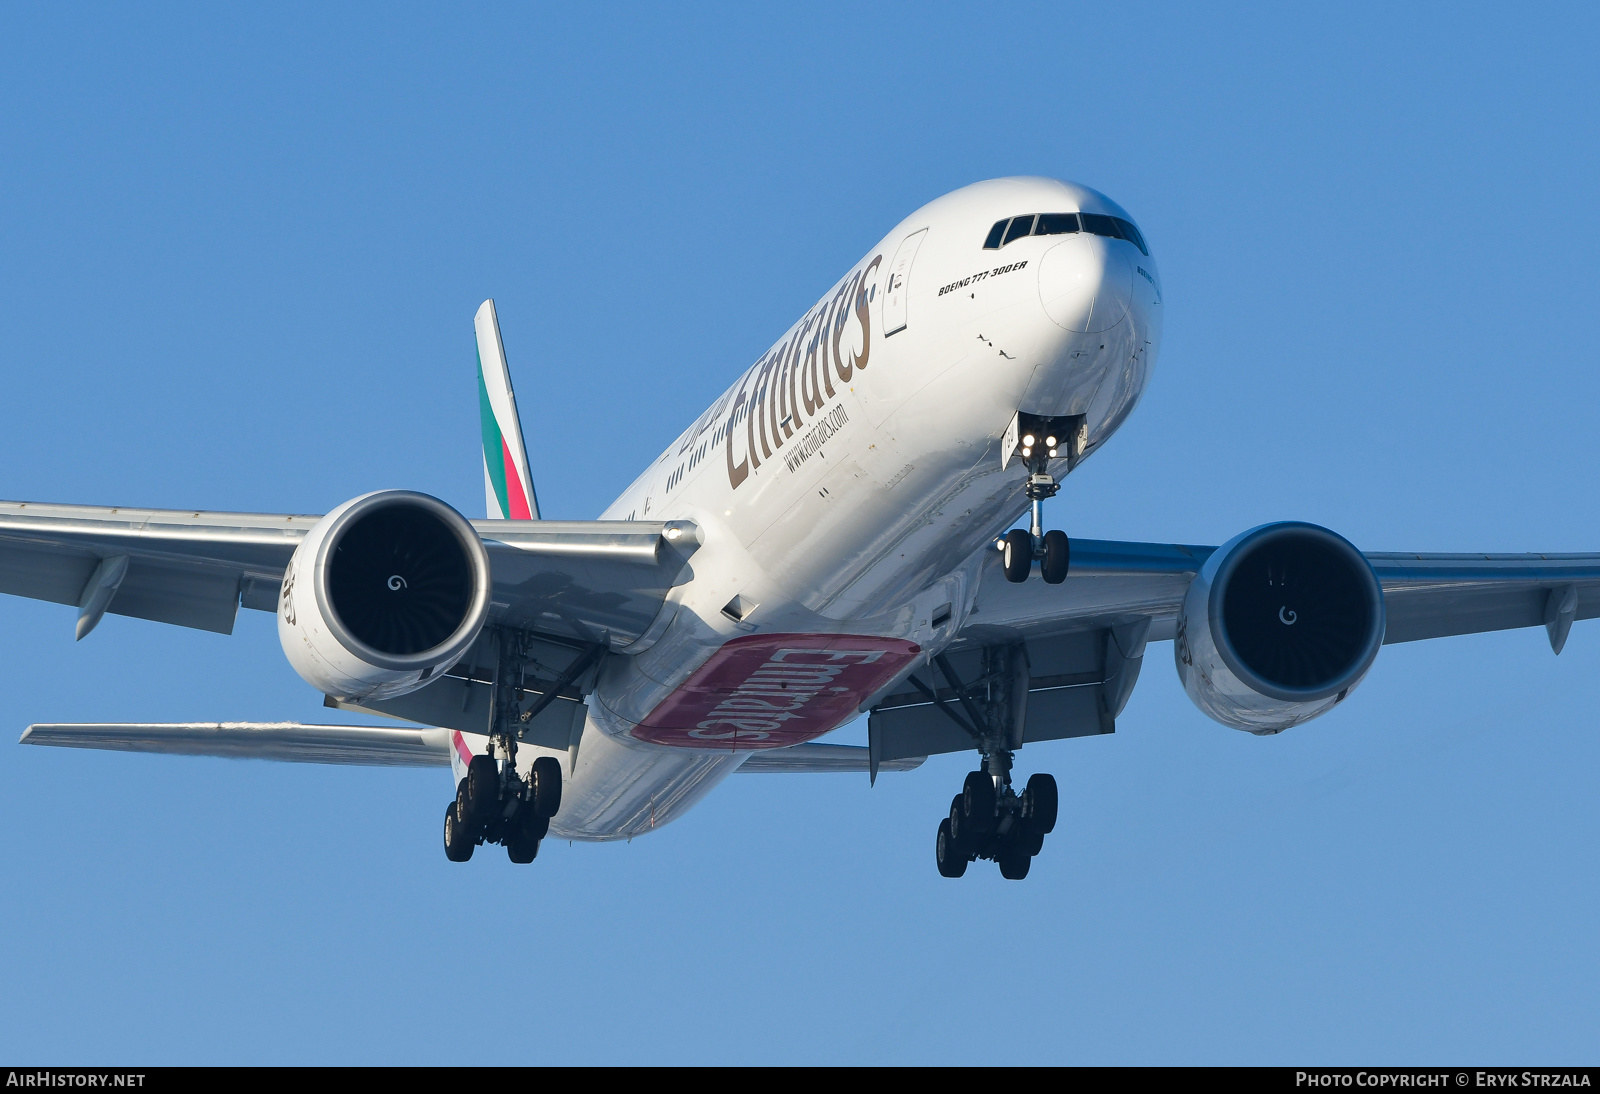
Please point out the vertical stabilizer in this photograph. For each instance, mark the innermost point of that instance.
(507, 486)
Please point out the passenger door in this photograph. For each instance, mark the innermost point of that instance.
(895, 291)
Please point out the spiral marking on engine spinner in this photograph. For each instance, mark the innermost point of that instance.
(1285, 616)
(396, 582)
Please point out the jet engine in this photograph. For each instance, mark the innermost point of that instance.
(1279, 625)
(384, 593)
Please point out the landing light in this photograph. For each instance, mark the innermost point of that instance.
(1052, 453)
(1027, 452)
(1051, 441)
(1027, 440)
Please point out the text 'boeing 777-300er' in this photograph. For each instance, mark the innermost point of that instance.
(828, 538)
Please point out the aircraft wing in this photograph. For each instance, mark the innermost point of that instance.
(1085, 638)
(572, 579)
(371, 746)
(1425, 595)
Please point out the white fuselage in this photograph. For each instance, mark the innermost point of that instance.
(849, 481)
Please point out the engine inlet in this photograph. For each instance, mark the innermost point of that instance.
(400, 580)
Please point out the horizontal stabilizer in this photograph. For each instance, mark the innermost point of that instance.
(370, 746)
(819, 758)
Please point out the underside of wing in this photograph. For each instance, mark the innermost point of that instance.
(185, 567)
(586, 579)
(371, 746)
(1070, 653)
(815, 759)
(1434, 595)
(1109, 582)
(1425, 595)
(581, 580)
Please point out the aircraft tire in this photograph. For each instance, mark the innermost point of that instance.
(522, 850)
(1014, 864)
(457, 842)
(483, 789)
(950, 859)
(1057, 554)
(977, 803)
(1018, 555)
(530, 825)
(1040, 802)
(958, 826)
(546, 777)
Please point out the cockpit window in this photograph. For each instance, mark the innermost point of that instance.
(1054, 224)
(1131, 234)
(1115, 228)
(1020, 226)
(1101, 225)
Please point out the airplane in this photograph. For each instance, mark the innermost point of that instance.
(834, 536)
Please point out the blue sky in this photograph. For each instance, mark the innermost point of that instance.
(240, 251)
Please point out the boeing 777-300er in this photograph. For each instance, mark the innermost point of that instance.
(829, 538)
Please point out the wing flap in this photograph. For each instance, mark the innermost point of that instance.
(369, 746)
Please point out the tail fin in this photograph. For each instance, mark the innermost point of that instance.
(507, 486)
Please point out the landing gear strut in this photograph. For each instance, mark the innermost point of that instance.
(1036, 440)
(989, 819)
(494, 802)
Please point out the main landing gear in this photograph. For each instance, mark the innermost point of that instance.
(990, 820)
(494, 802)
(1036, 440)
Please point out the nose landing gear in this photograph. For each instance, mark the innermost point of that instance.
(1036, 440)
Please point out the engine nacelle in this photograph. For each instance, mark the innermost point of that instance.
(384, 593)
(1279, 625)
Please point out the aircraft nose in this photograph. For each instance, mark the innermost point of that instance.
(1086, 282)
